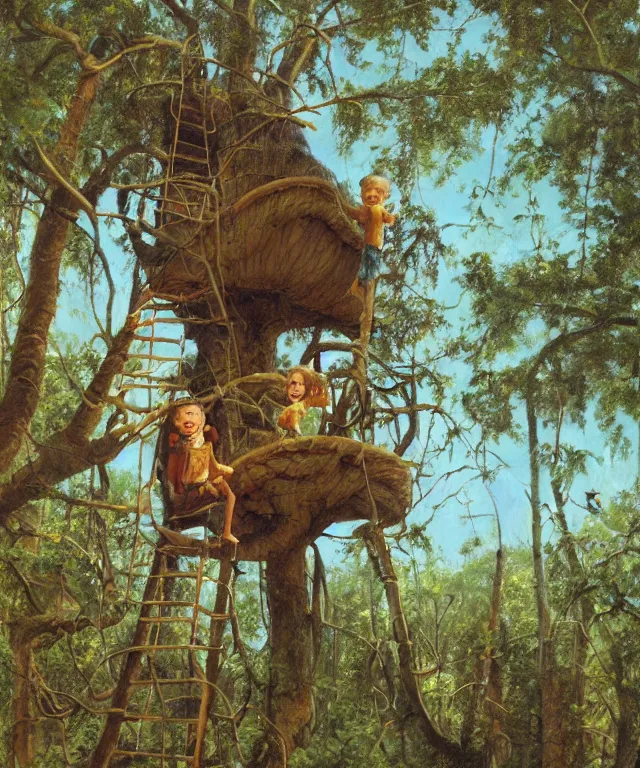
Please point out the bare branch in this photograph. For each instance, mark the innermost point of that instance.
(180, 12)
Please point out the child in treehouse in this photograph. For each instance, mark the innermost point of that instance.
(374, 190)
(305, 389)
(194, 477)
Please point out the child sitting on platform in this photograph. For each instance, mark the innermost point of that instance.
(194, 476)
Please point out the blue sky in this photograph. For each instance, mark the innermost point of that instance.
(506, 243)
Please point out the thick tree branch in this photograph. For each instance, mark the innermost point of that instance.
(345, 23)
(100, 178)
(241, 44)
(70, 450)
(381, 561)
(65, 36)
(180, 12)
(22, 393)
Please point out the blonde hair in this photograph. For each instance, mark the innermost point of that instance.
(374, 178)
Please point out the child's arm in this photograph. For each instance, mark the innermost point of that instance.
(388, 218)
(359, 213)
(216, 469)
(291, 416)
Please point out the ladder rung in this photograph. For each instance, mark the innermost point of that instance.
(176, 575)
(189, 206)
(190, 158)
(129, 387)
(179, 647)
(159, 755)
(188, 123)
(167, 603)
(201, 128)
(148, 323)
(191, 144)
(145, 375)
(196, 321)
(190, 149)
(186, 697)
(182, 122)
(184, 604)
(214, 616)
(186, 203)
(158, 358)
(154, 307)
(189, 183)
(168, 575)
(177, 217)
(165, 619)
(157, 339)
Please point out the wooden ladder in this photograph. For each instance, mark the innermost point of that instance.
(155, 700)
(189, 177)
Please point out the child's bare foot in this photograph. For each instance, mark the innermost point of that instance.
(231, 538)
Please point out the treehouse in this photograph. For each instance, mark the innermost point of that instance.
(287, 494)
(252, 240)
(251, 233)
(289, 242)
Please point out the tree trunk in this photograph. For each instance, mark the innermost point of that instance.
(628, 730)
(246, 346)
(22, 394)
(487, 688)
(629, 718)
(381, 559)
(27, 634)
(575, 675)
(289, 694)
(70, 451)
(551, 704)
(23, 733)
(221, 606)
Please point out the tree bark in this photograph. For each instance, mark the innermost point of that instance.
(221, 606)
(629, 718)
(26, 371)
(552, 687)
(575, 675)
(23, 733)
(289, 694)
(487, 686)
(25, 635)
(498, 745)
(551, 705)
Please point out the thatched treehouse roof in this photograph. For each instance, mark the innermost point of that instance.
(289, 237)
(289, 492)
